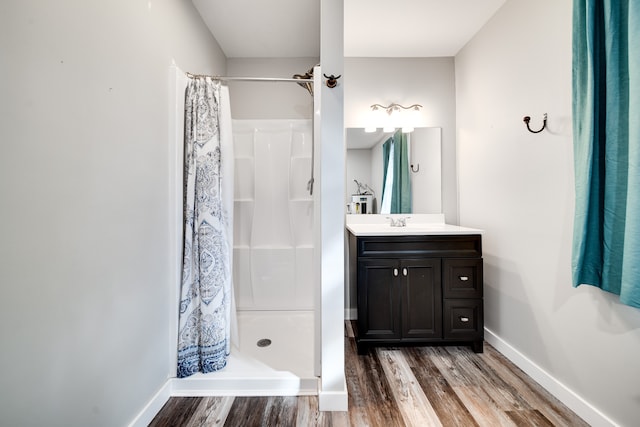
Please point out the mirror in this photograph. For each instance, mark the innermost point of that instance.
(365, 165)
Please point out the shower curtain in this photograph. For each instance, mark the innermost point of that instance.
(206, 297)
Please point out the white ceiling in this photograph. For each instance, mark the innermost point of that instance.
(262, 28)
(373, 28)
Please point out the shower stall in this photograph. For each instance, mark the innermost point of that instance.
(274, 262)
(273, 243)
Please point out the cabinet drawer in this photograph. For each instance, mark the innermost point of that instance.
(435, 246)
(463, 319)
(462, 278)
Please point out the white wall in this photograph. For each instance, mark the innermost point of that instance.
(258, 100)
(426, 81)
(519, 187)
(85, 279)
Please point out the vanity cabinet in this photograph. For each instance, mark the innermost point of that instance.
(417, 290)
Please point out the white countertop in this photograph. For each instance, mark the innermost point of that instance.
(417, 225)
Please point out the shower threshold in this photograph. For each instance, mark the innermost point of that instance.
(282, 368)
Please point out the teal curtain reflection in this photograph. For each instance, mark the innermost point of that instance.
(606, 128)
(401, 180)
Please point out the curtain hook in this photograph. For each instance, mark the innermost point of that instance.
(417, 168)
(544, 123)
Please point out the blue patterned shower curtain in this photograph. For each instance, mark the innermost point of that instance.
(206, 292)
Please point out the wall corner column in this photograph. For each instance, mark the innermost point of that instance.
(333, 390)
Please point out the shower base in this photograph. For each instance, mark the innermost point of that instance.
(284, 366)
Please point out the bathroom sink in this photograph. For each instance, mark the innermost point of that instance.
(416, 224)
(409, 229)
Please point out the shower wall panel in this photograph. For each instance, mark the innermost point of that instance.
(273, 215)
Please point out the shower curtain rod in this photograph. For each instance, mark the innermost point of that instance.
(251, 79)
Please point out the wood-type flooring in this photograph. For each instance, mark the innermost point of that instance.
(395, 386)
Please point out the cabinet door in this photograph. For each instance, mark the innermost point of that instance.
(378, 299)
(421, 298)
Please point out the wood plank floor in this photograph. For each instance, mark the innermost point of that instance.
(395, 386)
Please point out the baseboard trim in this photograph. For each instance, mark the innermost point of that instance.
(333, 400)
(571, 399)
(350, 313)
(153, 406)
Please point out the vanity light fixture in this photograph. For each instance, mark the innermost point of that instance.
(395, 107)
(390, 109)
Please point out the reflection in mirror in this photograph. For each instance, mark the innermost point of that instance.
(365, 165)
(396, 180)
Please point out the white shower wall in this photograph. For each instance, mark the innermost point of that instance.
(273, 215)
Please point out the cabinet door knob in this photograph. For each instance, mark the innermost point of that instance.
(464, 319)
(463, 278)
(404, 272)
(395, 272)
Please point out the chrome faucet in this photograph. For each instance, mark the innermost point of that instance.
(398, 222)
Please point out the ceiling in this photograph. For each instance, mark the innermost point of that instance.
(373, 28)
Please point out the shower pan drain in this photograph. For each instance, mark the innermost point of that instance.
(264, 342)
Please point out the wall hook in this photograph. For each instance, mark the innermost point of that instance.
(544, 123)
(417, 169)
(332, 81)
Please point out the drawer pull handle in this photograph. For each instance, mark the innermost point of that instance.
(464, 319)
(404, 272)
(463, 278)
(395, 272)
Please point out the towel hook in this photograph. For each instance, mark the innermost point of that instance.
(332, 81)
(417, 169)
(544, 123)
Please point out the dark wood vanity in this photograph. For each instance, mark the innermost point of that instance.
(417, 289)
